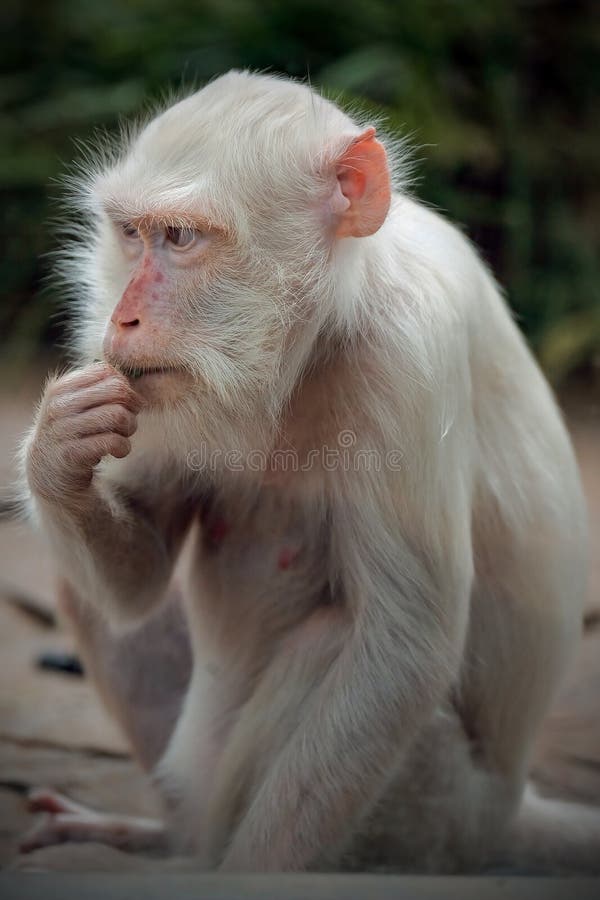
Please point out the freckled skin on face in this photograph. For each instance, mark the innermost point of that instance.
(145, 325)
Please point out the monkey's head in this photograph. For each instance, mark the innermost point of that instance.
(218, 243)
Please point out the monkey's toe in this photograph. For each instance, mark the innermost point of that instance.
(50, 801)
(70, 822)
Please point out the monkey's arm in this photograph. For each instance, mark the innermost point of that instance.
(116, 546)
(350, 718)
(117, 549)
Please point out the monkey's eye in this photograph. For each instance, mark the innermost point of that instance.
(182, 238)
(129, 231)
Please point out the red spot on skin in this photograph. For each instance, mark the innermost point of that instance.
(286, 558)
(217, 532)
(159, 277)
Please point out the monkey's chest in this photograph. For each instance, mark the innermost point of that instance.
(260, 561)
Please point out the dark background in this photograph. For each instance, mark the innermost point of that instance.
(497, 97)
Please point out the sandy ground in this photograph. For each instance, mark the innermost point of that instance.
(53, 730)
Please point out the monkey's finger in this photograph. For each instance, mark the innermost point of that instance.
(115, 389)
(88, 451)
(102, 419)
(83, 376)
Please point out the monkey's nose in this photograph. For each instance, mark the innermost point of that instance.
(122, 334)
(124, 322)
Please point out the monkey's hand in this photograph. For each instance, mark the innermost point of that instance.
(84, 415)
(116, 544)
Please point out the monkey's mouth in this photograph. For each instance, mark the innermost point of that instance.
(136, 373)
(140, 371)
(160, 386)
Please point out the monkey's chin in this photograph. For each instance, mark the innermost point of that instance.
(161, 388)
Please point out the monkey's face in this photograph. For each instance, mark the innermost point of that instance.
(212, 263)
(167, 330)
(187, 311)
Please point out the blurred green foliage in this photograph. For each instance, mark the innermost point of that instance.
(497, 96)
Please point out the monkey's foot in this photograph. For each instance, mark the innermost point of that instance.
(70, 821)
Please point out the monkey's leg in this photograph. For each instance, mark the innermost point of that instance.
(519, 645)
(442, 811)
(555, 835)
(446, 811)
(142, 677)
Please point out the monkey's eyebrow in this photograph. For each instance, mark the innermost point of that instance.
(152, 219)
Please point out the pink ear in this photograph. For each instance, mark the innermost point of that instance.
(363, 181)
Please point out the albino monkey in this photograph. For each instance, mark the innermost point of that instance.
(315, 379)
